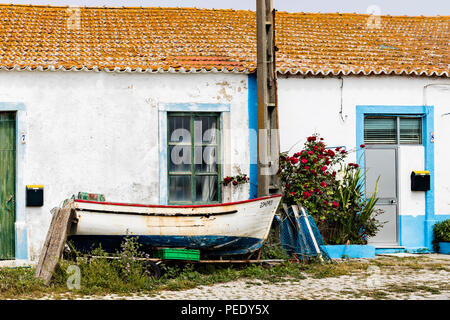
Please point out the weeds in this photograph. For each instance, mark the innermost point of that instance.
(19, 282)
(128, 274)
(272, 249)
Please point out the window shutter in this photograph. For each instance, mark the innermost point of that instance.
(410, 131)
(380, 130)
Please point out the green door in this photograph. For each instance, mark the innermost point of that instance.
(7, 184)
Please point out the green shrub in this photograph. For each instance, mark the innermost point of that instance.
(355, 219)
(441, 233)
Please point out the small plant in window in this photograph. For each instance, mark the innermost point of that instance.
(236, 180)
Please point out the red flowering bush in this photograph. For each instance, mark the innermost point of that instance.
(236, 180)
(309, 178)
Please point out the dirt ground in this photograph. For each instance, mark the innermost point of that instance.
(386, 278)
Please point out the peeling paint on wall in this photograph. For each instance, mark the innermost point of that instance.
(95, 132)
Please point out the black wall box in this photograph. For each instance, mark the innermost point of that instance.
(420, 180)
(35, 196)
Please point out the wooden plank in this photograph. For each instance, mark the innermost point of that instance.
(267, 115)
(54, 243)
(261, 78)
(54, 212)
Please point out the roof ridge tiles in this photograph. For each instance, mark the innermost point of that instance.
(357, 14)
(156, 39)
(212, 9)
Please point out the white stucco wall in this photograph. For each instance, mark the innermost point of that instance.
(410, 158)
(313, 105)
(98, 132)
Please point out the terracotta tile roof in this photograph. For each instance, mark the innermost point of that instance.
(352, 43)
(206, 40)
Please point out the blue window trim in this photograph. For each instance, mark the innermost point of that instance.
(253, 134)
(21, 238)
(427, 113)
(194, 107)
(162, 129)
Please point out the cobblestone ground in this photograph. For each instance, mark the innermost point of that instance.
(391, 283)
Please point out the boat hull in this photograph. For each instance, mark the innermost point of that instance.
(209, 245)
(225, 229)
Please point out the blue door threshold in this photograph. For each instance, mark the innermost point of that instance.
(400, 249)
(381, 249)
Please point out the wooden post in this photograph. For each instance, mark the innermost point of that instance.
(268, 139)
(54, 243)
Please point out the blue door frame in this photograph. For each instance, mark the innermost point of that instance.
(427, 113)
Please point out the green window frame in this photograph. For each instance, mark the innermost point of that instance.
(193, 174)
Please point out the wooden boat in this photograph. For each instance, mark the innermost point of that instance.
(216, 229)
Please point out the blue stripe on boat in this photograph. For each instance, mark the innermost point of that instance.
(209, 245)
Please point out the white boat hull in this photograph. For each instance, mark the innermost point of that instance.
(224, 229)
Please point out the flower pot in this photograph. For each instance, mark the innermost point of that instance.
(444, 247)
(350, 251)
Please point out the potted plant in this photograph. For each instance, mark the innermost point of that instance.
(441, 240)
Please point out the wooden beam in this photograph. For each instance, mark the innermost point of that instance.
(54, 243)
(268, 139)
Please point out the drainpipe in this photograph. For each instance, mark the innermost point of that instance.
(425, 87)
(341, 112)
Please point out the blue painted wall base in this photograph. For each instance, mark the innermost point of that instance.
(444, 247)
(402, 250)
(389, 250)
(350, 251)
(416, 233)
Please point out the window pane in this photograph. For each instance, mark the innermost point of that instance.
(380, 130)
(203, 174)
(205, 159)
(179, 158)
(180, 129)
(205, 130)
(206, 188)
(180, 188)
(410, 130)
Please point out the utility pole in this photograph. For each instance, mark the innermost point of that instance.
(268, 138)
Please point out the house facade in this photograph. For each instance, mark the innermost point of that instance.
(382, 82)
(401, 135)
(157, 106)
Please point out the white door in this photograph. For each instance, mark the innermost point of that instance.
(381, 164)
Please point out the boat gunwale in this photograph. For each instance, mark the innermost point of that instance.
(155, 214)
(174, 206)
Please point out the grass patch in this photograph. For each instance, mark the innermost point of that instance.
(374, 294)
(414, 288)
(127, 275)
(105, 276)
(334, 269)
(19, 282)
(414, 263)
